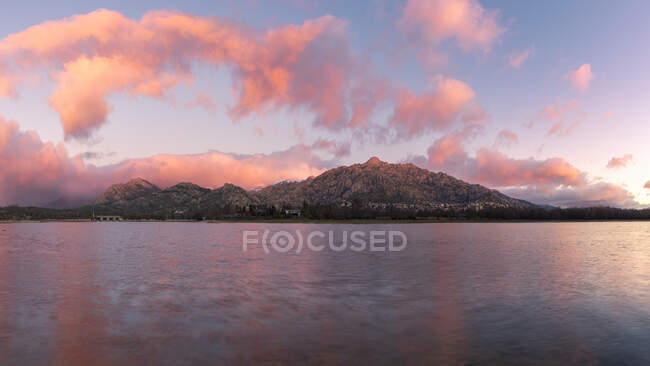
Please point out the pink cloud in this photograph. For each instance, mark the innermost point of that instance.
(565, 118)
(6, 83)
(431, 111)
(506, 138)
(466, 21)
(496, 169)
(622, 162)
(202, 100)
(293, 67)
(550, 181)
(581, 77)
(592, 195)
(94, 55)
(474, 113)
(33, 172)
(84, 84)
(516, 60)
(554, 113)
(560, 130)
(338, 149)
(448, 150)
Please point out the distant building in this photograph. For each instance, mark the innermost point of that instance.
(292, 212)
(108, 218)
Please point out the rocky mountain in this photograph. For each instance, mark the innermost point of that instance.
(373, 185)
(132, 198)
(377, 184)
(228, 194)
(136, 199)
(122, 193)
(178, 198)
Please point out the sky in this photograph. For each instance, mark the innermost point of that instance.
(544, 101)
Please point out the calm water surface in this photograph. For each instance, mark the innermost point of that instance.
(186, 293)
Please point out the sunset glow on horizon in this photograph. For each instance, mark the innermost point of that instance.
(546, 103)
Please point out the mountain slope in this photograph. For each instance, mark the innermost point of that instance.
(121, 193)
(378, 183)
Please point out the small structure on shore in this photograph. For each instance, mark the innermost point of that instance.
(292, 212)
(108, 218)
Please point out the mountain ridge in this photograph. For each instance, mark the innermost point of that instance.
(375, 185)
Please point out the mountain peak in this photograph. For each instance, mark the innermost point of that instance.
(186, 187)
(230, 186)
(139, 182)
(374, 161)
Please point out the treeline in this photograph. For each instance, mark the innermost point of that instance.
(492, 213)
(39, 213)
(355, 211)
(538, 213)
(334, 212)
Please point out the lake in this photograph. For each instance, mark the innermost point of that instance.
(459, 293)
